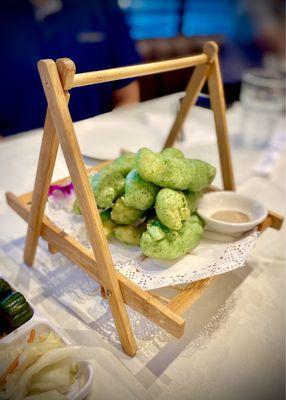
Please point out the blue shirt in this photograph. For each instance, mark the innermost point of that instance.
(91, 33)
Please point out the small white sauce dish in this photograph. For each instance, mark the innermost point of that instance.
(227, 200)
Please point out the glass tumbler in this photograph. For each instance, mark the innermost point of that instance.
(262, 105)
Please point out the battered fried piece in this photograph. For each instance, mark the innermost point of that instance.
(173, 172)
(163, 171)
(172, 152)
(107, 185)
(139, 193)
(124, 215)
(192, 200)
(161, 242)
(202, 175)
(123, 164)
(129, 234)
(172, 208)
(108, 224)
(76, 208)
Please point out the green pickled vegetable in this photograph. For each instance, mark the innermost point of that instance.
(139, 193)
(12, 301)
(5, 288)
(124, 215)
(15, 310)
(21, 318)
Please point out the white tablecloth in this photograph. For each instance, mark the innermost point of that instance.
(233, 346)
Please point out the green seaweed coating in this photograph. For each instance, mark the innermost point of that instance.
(192, 200)
(108, 183)
(124, 215)
(172, 208)
(173, 172)
(170, 172)
(163, 243)
(107, 186)
(107, 223)
(202, 175)
(129, 234)
(172, 152)
(157, 230)
(76, 207)
(123, 164)
(139, 193)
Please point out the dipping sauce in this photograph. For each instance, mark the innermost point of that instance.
(230, 216)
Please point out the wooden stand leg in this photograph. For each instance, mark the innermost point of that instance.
(47, 159)
(218, 106)
(46, 163)
(195, 85)
(103, 292)
(52, 249)
(67, 138)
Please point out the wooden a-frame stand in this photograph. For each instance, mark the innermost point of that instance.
(57, 78)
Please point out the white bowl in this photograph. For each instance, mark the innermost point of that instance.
(227, 200)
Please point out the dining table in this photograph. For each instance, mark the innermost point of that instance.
(233, 347)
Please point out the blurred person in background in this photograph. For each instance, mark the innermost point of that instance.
(92, 33)
(249, 33)
(269, 21)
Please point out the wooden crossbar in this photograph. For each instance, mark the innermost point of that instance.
(133, 71)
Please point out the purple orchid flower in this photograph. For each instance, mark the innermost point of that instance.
(56, 190)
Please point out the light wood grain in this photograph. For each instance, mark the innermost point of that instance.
(163, 299)
(218, 106)
(64, 127)
(276, 220)
(194, 87)
(66, 69)
(183, 301)
(265, 224)
(47, 159)
(46, 163)
(52, 249)
(133, 71)
(135, 297)
(211, 50)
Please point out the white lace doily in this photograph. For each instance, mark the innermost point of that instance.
(215, 254)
